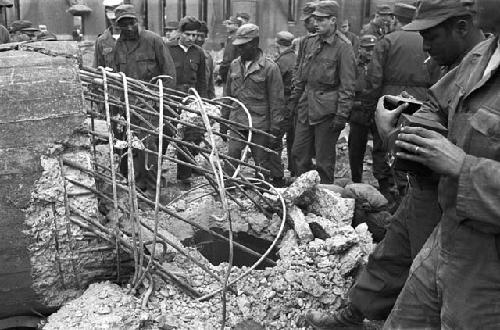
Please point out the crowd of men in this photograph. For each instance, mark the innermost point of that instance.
(438, 265)
(23, 30)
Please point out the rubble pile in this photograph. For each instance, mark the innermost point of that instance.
(312, 272)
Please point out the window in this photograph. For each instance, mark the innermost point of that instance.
(292, 10)
(196, 8)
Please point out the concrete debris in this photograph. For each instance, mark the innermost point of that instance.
(328, 204)
(301, 185)
(300, 225)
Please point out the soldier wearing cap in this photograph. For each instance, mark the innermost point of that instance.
(141, 54)
(31, 32)
(105, 42)
(353, 38)
(379, 284)
(244, 18)
(171, 31)
(286, 62)
(325, 83)
(190, 66)
(230, 52)
(381, 23)
(256, 81)
(453, 282)
(210, 65)
(15, 30)
(397, 65)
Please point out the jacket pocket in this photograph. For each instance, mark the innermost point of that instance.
(485, 135)
(146, 63)
(325, 71)
(255, 88)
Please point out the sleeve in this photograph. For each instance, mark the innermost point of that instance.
(210, 78)
(225, 111)
(276, 97)
(355, 45)
(478, 194)
(298, 85)
(97, 54)
(375, 75)
(228, 56)
(166, 63)
(347, 82)
(201, 75)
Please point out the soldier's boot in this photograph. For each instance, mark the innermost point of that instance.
(348, 317)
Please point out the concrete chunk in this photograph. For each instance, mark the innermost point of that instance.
(300, 225)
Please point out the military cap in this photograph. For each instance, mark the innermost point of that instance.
(46, 36)
(232, 20)
(284, 38)
(308, 10)
(431, 13)
(19, 25)
(384, 9)
(245, 16)
(189, 23)
(125, 11)
(404, 10)
(245, 33)
(174, 25)
(368, 40)
(30, 29)
(326, 9)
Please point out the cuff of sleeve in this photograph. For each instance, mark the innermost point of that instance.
(464, 185)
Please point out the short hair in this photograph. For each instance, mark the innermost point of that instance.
(189, 23)
(450, 22)
(203, 27)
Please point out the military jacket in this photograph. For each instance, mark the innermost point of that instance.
(325, 80)
(145, 58)
(104, 50)
(260, 88)
(286, 63)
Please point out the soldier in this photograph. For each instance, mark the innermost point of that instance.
(210, 65)
(141, 54)
(325, 83)
(190, 68)
(105, 42)
(171, 31)
(351, 36)
(381, 23)
(397, 65)
(286, 62)
(230, 52)
(256, 82)
(244, 18)
(377, 287)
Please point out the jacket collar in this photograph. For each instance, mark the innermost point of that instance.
(286, 51)
(255, 66)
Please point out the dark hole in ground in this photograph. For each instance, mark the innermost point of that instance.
(216, 250)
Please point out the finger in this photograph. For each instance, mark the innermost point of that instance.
(423, 132)
(408, 146)
(412, 157)
(414, 139)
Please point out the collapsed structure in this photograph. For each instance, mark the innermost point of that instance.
(73, 220)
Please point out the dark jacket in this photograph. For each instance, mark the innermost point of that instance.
(467, 101)
(261, 90)
(189, 67)
(230, 53)
(209, 75)
(148, 57)
(325, 80)
(353, 38)
(104, 50)
(397, 64)
(286, 63)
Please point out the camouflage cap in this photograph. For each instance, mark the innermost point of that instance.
(431, 13)
(368, 40)
(404, 10)
(308, 10)
(384, 9)
(245, 33)
(326, 9)
(284, 38)
(19, 25)
(125, 11)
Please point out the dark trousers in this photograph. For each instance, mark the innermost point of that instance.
(358, 137)
(261, 157)
(290, 135)
(195, 136)
(379, 284)
(319, 139)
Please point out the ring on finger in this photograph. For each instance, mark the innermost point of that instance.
(416, 149)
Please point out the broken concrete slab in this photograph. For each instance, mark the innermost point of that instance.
(368, 195)
(300, 225)
(302, 184)
(328, 204)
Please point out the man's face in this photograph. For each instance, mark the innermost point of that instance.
(310, 24)
(129, 28)
(187, 38)
(442, 44)
(344, 28)
(200, 39)
(168, 33)
(324, 24)
(384, 19)
(247, 51)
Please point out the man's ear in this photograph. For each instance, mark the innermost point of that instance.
(463, 27)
